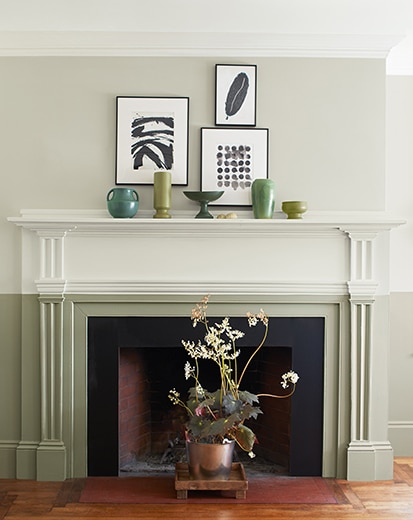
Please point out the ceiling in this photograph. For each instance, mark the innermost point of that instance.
(290, 20)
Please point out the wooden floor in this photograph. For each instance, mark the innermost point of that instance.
(390, 500)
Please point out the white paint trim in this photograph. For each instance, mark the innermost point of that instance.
(229, 44)
(400, 65)
(161, 287)
(54, 223)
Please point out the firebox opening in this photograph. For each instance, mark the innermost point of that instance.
(134, 362)
(151, 429)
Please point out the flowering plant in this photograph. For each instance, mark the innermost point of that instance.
(219, 416)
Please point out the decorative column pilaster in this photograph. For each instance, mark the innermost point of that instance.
(368, 458)
(51, 452)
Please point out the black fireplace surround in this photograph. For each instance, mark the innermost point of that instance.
(304, 335)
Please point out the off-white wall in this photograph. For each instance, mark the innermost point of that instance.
(399, 177)
(279, 16)
(57, 129)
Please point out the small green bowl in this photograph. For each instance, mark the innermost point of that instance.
(294, 209)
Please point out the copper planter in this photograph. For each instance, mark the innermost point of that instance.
(209, 461)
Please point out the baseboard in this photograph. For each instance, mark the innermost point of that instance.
(369, 460)
(8, 459)
(401, 438)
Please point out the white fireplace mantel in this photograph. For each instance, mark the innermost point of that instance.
(138, 255)
(84, 263)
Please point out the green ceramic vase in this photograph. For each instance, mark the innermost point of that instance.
(263, 198)
(162, 192)
(122, 202)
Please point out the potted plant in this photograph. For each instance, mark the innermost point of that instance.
(216, 419)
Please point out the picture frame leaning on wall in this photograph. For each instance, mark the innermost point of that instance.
(231, 158)
(235, 95)
(151, 135)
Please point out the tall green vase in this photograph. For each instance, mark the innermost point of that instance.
(162, 192)
(263, 198)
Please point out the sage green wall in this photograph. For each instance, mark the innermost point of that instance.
(57, 133)
(19, 383)
(10, 381)
(401, 370)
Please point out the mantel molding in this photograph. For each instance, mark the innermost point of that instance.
(56, 223)
(229, 44)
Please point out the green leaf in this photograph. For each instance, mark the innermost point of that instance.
(245, 437)
(199, 426)
(223, 425)
(249, 412)
(248, 397)
(231, 405)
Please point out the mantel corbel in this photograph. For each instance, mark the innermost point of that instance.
(51, 290)
(362, 292)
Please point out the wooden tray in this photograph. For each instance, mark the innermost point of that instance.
(237, 482)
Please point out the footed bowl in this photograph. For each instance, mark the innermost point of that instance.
(204, 198)
(294, 209)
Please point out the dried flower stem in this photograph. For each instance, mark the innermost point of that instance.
(278, 396)
(254, 353)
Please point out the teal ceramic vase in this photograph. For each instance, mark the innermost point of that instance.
(122, 202)
(263, 198)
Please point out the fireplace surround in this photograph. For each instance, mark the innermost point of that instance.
(289, 431)
(331, 265)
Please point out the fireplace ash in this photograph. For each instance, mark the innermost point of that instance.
(164, 464)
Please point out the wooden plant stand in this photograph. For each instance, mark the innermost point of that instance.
(237, 482)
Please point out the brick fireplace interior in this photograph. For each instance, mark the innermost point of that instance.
(134, 361)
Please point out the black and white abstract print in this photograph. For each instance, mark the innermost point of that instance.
(152, 141)
(236, 95)
(234, 166)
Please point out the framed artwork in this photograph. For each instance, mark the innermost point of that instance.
(151, 135)
(235, 95)
(231, 158)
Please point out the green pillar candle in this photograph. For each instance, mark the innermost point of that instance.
(162, 191)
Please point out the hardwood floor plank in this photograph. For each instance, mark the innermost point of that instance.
(383, 500)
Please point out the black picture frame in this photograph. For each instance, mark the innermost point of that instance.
(151, 135)
(235, 95)
(231, 158)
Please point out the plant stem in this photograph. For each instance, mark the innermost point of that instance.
(255, 352)
(278, 396)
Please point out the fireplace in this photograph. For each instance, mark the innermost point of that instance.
(331, 266)
(290, 432)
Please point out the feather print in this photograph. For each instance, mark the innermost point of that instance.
(236, 94)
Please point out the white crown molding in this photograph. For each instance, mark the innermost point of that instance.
(99, 43)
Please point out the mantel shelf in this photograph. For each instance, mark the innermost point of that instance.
(90, 222)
